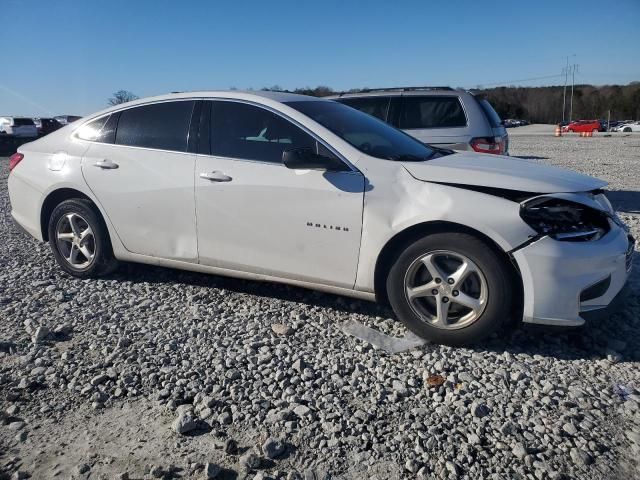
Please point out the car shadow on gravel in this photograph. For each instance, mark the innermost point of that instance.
(627, 201)
(602, 339)
(140, 273)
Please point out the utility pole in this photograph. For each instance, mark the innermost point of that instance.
(574, 68)
(565, 72)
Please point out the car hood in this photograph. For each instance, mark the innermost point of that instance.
(496, 171)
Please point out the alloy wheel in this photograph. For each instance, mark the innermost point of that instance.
(75, 241)
(446, 289)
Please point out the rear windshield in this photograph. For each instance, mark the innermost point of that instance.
(490, 113)
(366, 133)
(22, 122)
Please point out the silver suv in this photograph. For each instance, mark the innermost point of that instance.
(439, 116)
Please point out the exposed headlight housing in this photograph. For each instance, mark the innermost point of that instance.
(564, 220)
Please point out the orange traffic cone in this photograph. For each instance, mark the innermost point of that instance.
(558, 131)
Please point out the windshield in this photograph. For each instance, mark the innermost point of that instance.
(366, 133)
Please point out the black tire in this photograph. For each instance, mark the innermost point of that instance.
(103, 262)
(626, 129)
(498, 284)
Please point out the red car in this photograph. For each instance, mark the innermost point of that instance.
(584, 126)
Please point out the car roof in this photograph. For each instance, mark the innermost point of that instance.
(258, 96)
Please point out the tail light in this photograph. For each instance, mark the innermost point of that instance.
(14, 160)
(488, 145)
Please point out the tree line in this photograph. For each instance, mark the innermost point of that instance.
(544, 104)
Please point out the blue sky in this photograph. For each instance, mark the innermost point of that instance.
(69, 56)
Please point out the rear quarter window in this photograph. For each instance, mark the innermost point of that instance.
(431, 112)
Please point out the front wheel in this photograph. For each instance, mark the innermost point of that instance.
(450, 288)
(626, 129)
(79, 239)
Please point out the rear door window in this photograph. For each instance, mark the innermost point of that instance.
(243, 131)
(431, 112)
(376, 106)
(162, 126)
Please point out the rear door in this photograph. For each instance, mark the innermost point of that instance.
(138, 167)
(435, 119)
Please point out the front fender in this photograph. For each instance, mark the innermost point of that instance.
(406, 202)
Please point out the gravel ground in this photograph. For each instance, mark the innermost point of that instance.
(154, 373)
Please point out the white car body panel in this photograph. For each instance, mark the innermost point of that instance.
(263, 224)
(315, 235)
(554, 274)
(502, 172)
(393, 206)
(146, 182)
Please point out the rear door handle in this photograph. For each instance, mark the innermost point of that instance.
(106, 164)
(216, 176)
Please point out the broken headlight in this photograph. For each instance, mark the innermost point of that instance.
(564, 220)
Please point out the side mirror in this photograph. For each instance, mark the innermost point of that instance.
(306, 159)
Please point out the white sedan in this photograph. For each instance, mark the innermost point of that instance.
(310, 192)
(628, 127)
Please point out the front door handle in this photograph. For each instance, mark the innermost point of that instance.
(216, 176)
(106, 164)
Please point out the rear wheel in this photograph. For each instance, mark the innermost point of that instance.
(79, 239)
(626, 129)
(450, 288)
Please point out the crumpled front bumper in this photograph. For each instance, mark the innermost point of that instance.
(556, 273)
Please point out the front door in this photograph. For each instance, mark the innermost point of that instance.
(256, 215)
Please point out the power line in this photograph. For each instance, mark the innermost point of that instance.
(520, 81)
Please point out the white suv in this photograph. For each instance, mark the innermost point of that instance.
(18, 127)
(310, 192)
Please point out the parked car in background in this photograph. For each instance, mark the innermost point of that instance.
(46, 125)
(18, 127)
(584, 126)
(512, 122)
(628, 127)
(66, 119)
(438, 116)
(301, 190)
(614, 123)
